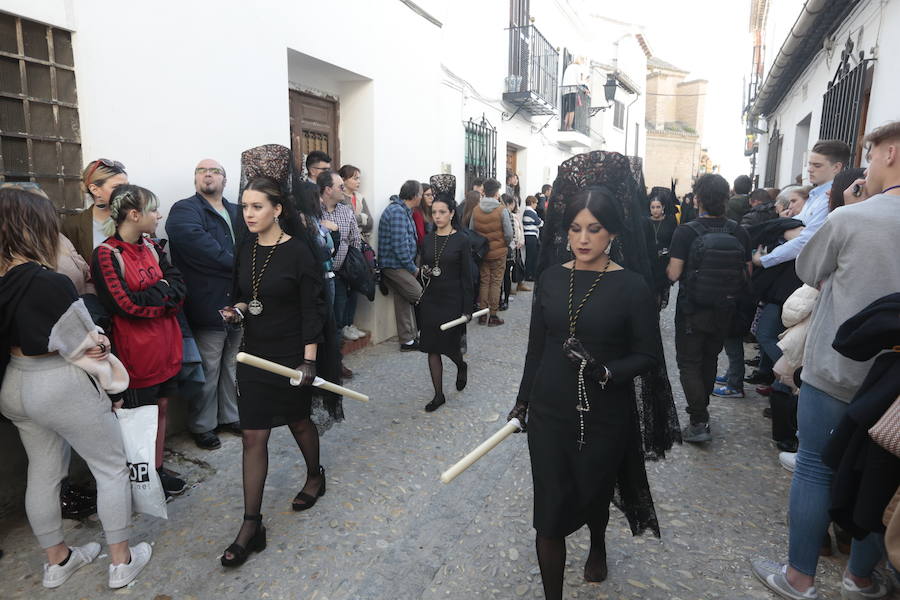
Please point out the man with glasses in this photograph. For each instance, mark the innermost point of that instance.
(201, 236)
(331, 197)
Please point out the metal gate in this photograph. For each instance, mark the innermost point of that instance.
(481, 151)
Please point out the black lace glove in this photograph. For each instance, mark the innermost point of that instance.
(519, 411)
(308, 372)
(577, 353)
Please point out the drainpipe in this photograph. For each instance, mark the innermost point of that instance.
(628, 124)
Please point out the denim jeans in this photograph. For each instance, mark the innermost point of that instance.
(817, 416)
(734, 349)
(767, 331)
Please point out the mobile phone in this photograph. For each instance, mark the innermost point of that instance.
(856, 190)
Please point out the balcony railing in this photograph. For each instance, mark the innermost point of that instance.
(577, 101)
(533, 66)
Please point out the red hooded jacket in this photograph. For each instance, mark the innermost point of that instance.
(143, 302)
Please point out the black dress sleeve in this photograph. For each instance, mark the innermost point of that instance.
(49, 296)
(465, 270)
(312, 301)
(537, 337)
(643, 335)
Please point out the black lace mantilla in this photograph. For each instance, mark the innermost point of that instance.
(657, 427)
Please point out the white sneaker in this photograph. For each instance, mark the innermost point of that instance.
(56, 575)
(358, 332)
(879, 588)
(788, 460)
(122, 575)
(348, 334)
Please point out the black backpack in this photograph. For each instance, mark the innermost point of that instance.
(716, 265)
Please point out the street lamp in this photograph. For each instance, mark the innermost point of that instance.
(609, 88)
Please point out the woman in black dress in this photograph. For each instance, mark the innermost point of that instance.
(278, 289)
(660, 229)
(449, 294)
(593, 330)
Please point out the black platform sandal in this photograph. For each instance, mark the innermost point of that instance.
(239, 553)
(462, 376)
(308, 499)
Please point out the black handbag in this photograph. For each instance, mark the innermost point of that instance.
(518, 271)
(358, 274)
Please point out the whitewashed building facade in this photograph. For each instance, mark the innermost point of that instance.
(401, 89)
(834, 76)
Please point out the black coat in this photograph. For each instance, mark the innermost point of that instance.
(866, 475)
(759, 214)
(202, 249)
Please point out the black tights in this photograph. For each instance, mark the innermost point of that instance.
(256, 467)
(551, 553)
(436, 367)
(507, 283)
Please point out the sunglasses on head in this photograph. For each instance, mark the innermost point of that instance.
(112, 164)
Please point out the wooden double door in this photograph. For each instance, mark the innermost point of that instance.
(314, 126)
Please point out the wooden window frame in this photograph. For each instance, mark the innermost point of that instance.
(61, 184)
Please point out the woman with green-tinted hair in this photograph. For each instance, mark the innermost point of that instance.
(143, 292)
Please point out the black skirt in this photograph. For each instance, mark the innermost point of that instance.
(446, 297)
(264, 406)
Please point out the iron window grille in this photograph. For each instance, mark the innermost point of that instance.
(773, 158)
(618, 114)
(842, 104)
(481, 151)
(40, 137)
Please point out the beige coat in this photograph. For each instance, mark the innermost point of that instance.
(795, 314)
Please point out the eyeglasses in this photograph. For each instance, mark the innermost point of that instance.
(112, 164)
(210, 170)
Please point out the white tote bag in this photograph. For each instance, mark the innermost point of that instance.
(138, 427)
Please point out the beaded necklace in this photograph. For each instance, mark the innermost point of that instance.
(584, 404)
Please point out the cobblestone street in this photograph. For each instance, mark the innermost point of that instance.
(389, 529)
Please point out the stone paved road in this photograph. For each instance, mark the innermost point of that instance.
(388, 529)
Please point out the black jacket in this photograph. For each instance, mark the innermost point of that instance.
(759, 214)
(202, 249)
(866, 475)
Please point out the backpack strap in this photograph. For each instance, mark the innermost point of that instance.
(117, 252)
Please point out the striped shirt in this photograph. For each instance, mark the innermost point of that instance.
(531, 222)
(343, 217)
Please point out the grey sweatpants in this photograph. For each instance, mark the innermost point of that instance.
(52, 402)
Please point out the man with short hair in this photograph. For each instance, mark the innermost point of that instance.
(739, 203)
(710, 256)
(827, 159)
(334, 210)
(201, 238)
(493, 221)
(478, 185)
(317, 162)
(852, 259)
(762, 208)
(397, 256)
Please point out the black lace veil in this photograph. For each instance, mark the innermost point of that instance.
(657, 420)
(276, 162)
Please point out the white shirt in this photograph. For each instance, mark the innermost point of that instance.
(99, 235)
(574, 75)
(813, 215)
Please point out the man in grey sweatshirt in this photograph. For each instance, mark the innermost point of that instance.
(854, 259)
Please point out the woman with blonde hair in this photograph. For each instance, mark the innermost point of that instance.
(85, 229)
(58, 371)
(143, 292)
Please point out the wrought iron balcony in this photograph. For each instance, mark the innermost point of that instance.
(577, 101)
(533, 66)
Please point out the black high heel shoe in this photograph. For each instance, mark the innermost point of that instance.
(462, 377)
(309, 500)
(239, 553)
